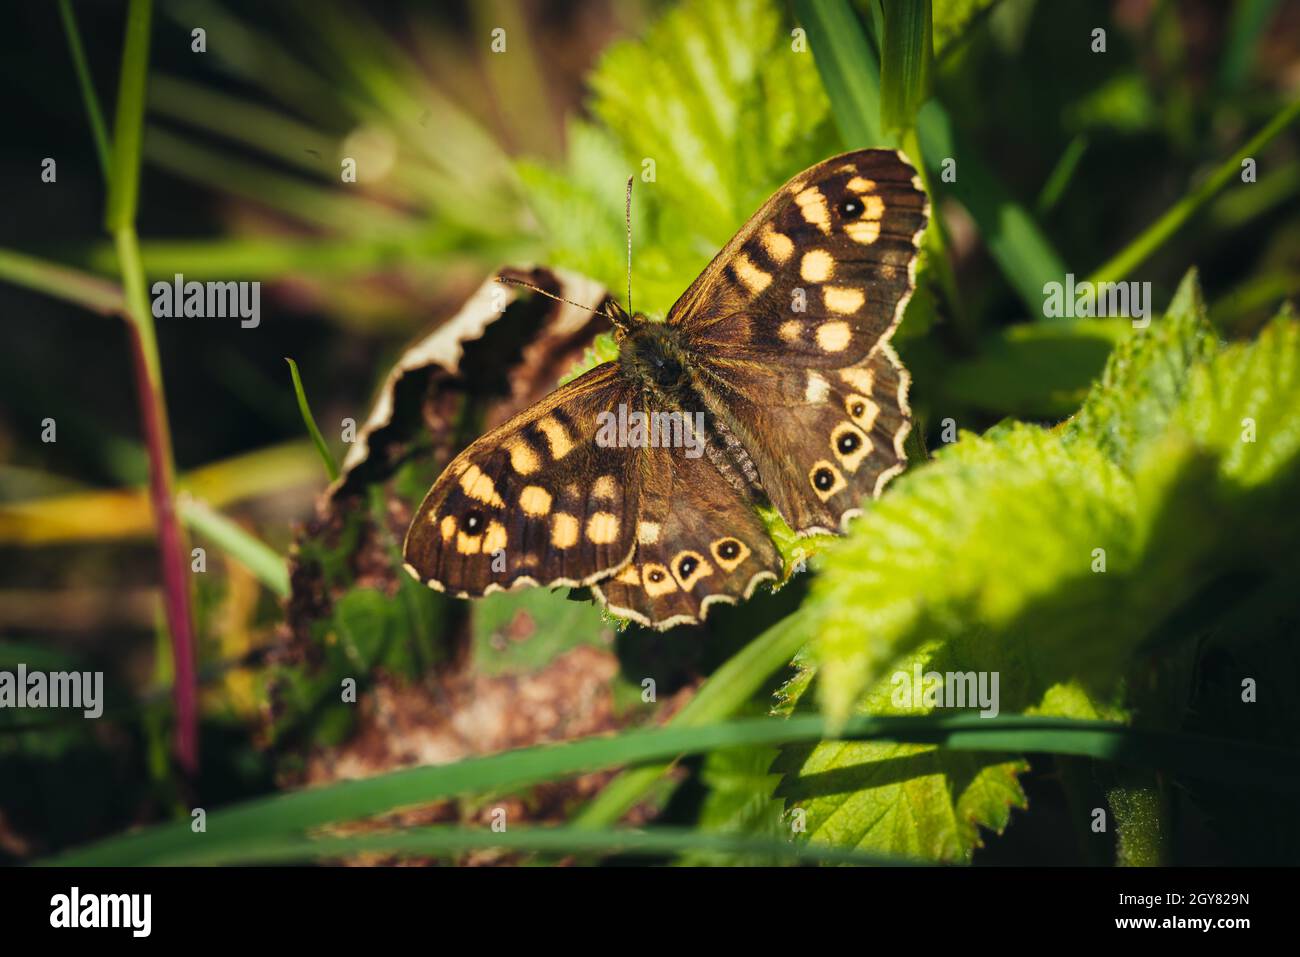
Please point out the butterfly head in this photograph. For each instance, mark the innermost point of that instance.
(652, 352)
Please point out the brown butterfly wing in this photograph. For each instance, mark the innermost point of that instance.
(823, 440)
(699, 542)
(535, 501)
(789, 328)
(819, 275)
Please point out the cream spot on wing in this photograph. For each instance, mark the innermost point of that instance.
(860, 184)
(834, 336)
(816, 265)
(656, 580)
(778, 245)
(873, 207)
(557, 437)
(850, 445)
(535, 500)
(860, 379)
(522, 458)
(790, 330)
(480, 487)
(862, 410)
(605, 487)
(813, 206)
(647, 533)
(863, 231)
(817, 389)
(448, 527)
(843, 299)
(564, 530)
(495, 538)
(602, 528)
(629, 576)
(755, 279)
(469, 544)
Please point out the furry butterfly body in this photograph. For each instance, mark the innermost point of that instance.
(778, 353)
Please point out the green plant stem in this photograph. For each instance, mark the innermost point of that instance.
(97, 128)
(309, 420)
(119, 218)
(1155, 235)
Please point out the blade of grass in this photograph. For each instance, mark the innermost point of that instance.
(445, 840)
(287, 814)
(1249, 18)
(906, 58)
(124, 513)
(93, 113)
(725, 692)
(1061, 175)
(847, 65)
(262, 561)
(331, 467)
(1123, 263)
(63, 282)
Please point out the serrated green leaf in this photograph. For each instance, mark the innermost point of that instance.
(909, 800)
(1145, 379)
(995, 533)
(1064, 552)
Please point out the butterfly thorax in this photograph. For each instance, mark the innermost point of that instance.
(652, 353)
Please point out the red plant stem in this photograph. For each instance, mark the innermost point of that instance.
(171, 547)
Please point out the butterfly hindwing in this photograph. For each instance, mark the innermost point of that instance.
(699, 542)
(535, 501)
(823, 439)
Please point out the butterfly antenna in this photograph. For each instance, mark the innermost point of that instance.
(628, 216)
(551, 295)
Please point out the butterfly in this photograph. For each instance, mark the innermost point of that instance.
(770, 383)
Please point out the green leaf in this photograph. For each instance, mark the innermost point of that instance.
(909, 800)
(739, 801)
(1145, 379)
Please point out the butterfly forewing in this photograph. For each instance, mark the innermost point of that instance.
(535, 501)
(819, 274)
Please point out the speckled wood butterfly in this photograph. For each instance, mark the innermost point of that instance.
(778, 351)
